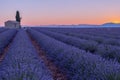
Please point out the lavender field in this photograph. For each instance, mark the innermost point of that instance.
(60, 54)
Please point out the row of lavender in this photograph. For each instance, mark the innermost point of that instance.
(106, 51)
(76, 63)
(102, 32)
(99, 39)
(108, 39)
(5, 38)
(3, 29)
(22, 61)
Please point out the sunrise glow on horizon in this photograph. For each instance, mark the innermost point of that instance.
(61, 12)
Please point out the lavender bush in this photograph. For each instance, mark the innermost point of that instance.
(103, 40)
(5, 38)
(22, 61)
(91, 34)
(100, 32)
(87, 45)
(78, 64)
(2, 30)
(106, 51)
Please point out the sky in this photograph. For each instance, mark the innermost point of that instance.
(61, 12)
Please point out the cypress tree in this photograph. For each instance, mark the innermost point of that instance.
(18, 19)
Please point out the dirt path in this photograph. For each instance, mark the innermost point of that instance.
(57, 75)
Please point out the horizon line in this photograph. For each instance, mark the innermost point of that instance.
(64, 24)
